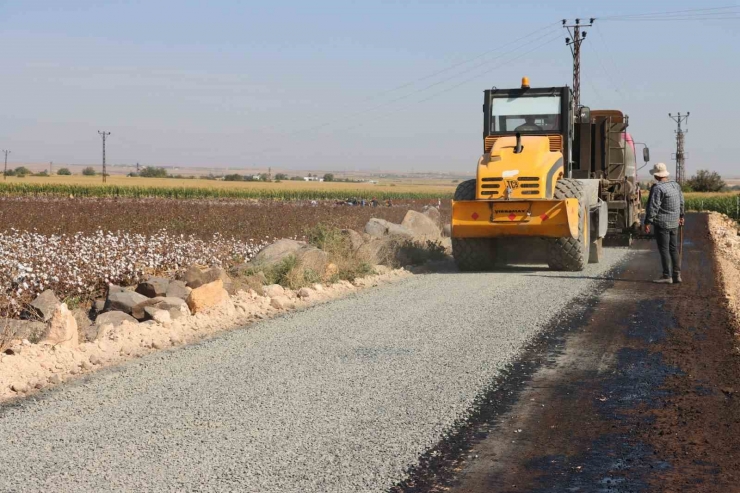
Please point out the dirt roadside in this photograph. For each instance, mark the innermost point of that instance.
(634, 391)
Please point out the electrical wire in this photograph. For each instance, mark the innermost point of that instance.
(417, 91)
(617, 79)
(455, 86)
(708, 10)
(464, 62)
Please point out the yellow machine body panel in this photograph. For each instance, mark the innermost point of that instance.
(514, 192)
(500, 218)
(529, 174)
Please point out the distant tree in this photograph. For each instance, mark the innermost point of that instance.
(296, 178)
(234, 177)
(64, 172)
(43, 173)
(455, 181)
(22, 171)
(89, 171)
(281, 176)
(706, 181)
(329, 177)
(264, 177)
(10, 172)
(153, 172)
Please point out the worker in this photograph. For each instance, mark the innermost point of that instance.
(529, 125)
(664, 215)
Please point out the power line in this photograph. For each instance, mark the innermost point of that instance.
(670, 12)
(417, 91)
(448, 89)
(618, 74)
(104, 135)
(464, 62)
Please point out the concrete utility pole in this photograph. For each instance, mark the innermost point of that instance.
(51, 163)
(104, 135)
(680, 154)
(5, 173)
(577, 36)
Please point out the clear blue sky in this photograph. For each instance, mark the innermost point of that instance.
(226, 83)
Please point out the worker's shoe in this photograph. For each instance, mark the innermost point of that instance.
(664, 280)
(677, 279)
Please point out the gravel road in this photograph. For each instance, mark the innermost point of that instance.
(341, 397)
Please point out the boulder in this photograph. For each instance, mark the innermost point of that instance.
(44, 306)
(379, 228)
(313, 258)
(421, 225)
(62, 328)
(142, 312)
(98, 305)
(305, 292)
(273, 290)
(85, 327)
(153, 287)
(354, 239)
(376, 228)
(33, 330)
(177, 289)
(433, 214)
(139, 311)
(158, 315)
(170, 303)
(377, 251)
(207, 296)
(282, 303)
(277, 251)
(113, 318)
(193, 277)
(123, 300)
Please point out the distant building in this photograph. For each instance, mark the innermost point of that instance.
(312, 178)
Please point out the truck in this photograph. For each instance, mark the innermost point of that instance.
(553, 182)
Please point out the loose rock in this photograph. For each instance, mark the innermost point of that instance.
(62, 329)
(123, 300)
(422, 226)
(274, 290)
(207, 296)
(153, 287)
(44, 305)
(177, 289)
(282, 303)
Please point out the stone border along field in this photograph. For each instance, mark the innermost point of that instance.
(78, 246)
(50, 343)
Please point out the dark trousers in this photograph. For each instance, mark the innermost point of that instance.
(668, 248)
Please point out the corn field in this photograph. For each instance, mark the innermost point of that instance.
(724, 203)
(138, 192)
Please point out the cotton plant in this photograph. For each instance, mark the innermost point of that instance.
(83, 264)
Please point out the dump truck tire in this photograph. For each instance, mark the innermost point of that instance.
(472, 254)
(570, 254)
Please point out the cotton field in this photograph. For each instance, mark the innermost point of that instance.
(79, 265)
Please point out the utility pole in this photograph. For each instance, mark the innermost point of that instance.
(104, 135)
(51, 163)
(577, 36)
(5, 173)
(680, 154)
